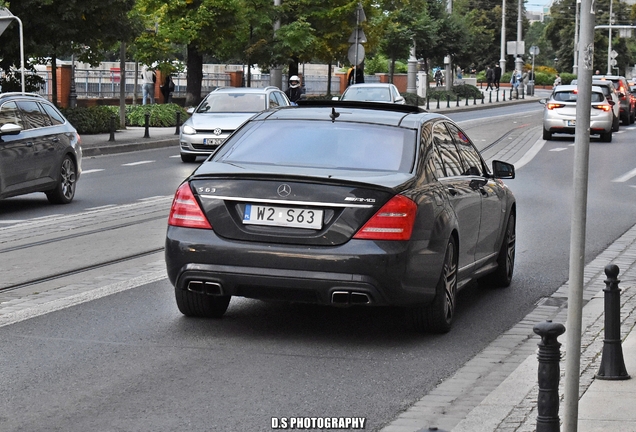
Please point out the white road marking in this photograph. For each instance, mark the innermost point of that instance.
(530, 154)
(100, 207)
(625, 176)
(12, 221)
(138, 163)
(558, 149)
(91, 171)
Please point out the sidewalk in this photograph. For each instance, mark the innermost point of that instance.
(129, 139)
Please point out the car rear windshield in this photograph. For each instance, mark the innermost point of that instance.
(319, 144)
(368, 94)
(571, 96)
(232, 102)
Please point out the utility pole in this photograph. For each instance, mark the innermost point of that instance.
(518, 58)
(447, 58)
(578, 219)
(276, 74)
(609, 46)
(575, 67)
(502, 55)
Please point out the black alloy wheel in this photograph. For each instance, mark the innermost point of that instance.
(65, 189)
(437, 316)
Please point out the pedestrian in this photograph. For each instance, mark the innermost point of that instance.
(497, 75)
(148, 80)
(490, 78)
(294, 92)
(515, 80)
(459, 73)
(167, 88)
(557, 80)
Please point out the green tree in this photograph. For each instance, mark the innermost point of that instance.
(58, 28)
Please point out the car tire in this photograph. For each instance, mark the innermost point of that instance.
(65, 189)
(625, 119)
(437, 316)
(188, 158)
(502, 277)
(632, 117)
(606, 136)
(615, 124)
(199, 305)
(547, 135)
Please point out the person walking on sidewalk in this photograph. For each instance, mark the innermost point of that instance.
(148, 80)
(497, 76)
(515, 80)
(490, 78)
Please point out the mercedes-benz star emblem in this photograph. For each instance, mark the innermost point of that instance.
(217, 131)
(284, 190)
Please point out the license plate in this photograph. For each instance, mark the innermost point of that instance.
(213, 141)
(571, 122)
(282, 216)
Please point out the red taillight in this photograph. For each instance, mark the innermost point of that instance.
(185, 210)
(603, 107)
(394, 221)
(552, 106)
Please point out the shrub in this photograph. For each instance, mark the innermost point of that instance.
(96, 119)
(464, 91)
(161, 115)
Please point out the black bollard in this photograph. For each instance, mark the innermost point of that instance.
(549, 374)
(503, 95)
(475, 99)
(178, 128)
(428, 98)
(523, 94)
(466, 101)
(447, 101)
(612, 362)
(437, 101)
(482, 99)
(147, 125)
(112, 128)
(497, 96)
(490, 96)
(457, 100)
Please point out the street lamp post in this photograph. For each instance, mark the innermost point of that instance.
(72, 97)
(609, 46)
(5, 14)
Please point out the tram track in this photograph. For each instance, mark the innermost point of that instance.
(82, 269)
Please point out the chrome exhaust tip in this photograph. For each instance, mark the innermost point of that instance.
(350, 298)
(203, 287)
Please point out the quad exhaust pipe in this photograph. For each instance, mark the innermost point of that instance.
(203, 287)
(350, 298)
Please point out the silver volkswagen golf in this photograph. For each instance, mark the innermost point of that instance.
(220, 113)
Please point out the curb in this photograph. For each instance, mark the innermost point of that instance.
(108, 148)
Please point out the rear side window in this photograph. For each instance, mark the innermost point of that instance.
(448, 153)
(233, 102)
(9, 114)
(33, 116)
(319, 144)
(56, 117)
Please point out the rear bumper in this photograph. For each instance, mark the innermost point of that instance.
(386, 273)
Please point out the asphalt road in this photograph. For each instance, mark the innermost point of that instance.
(131, 362)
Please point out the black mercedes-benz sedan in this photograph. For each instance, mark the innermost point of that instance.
(342, 203)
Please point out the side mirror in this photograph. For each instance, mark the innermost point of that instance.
(399, 99)
(190, 110)
(611, 102)
(542, 101)
(10, 129)
(502, 169)
(335, 98)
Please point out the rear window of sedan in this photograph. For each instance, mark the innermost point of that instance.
(571, 96)
(367, 94)
(233, 102)
(318, 144)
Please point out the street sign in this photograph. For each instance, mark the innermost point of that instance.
(4, 12)
(356, 58)
(613, 54)
(613, 62)
(361, 37)
(534, 50)
(513, 49)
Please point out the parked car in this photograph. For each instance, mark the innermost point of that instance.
(39, 149)
(342, 203)
(376, 92)
(220, 113)
(611, 94)
(559, 115)
(627, 103)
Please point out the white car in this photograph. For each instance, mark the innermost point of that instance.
(220, 114)
(559, 115)
(376, 92)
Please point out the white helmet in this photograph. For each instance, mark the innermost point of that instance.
(293, 84)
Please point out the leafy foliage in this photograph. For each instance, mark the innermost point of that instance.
(97, 119)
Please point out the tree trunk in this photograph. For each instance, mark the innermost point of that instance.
(195, 76)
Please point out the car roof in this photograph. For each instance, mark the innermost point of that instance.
(408, 116)
(570, 87)
(244, 89)
(20, 94)
(599, 83)
(371, 85)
